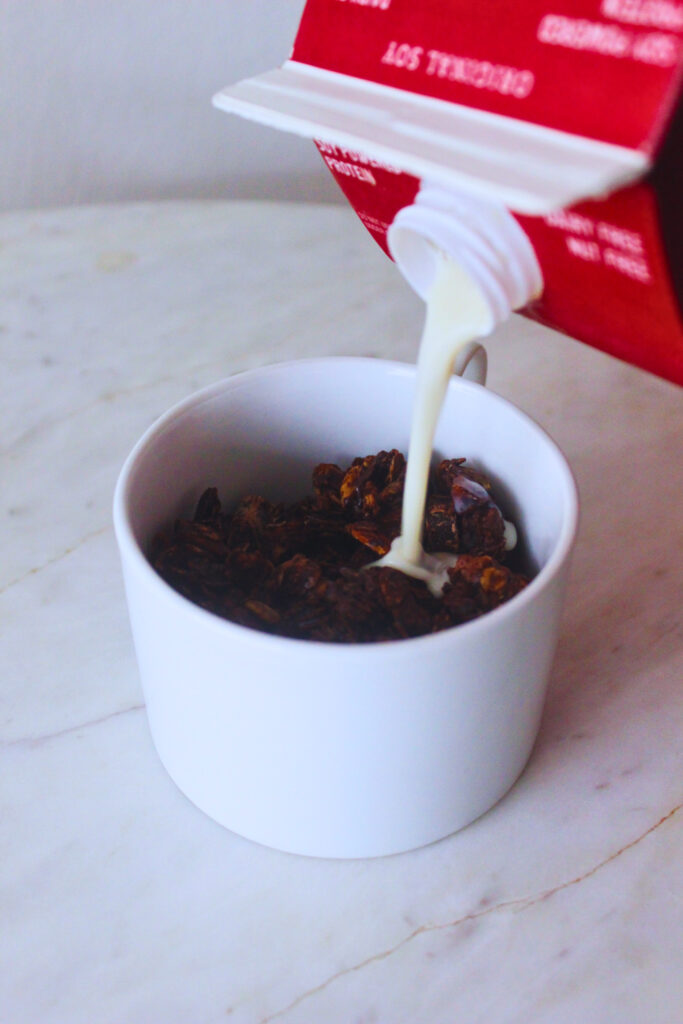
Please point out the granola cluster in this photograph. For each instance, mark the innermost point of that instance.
(300, 570)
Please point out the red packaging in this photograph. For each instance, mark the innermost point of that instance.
(570, 115)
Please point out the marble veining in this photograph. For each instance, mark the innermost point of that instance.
(31, 741)
(485, 908)
(120, 901)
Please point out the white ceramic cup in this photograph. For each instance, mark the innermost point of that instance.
(340, 750)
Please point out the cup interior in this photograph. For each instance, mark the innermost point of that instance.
(262, 432)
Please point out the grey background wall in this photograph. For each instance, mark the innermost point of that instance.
(104, 100)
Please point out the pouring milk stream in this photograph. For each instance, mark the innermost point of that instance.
(457, 314)
(473, 266)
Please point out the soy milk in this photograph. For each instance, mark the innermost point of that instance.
(458, 313)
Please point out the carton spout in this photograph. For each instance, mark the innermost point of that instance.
(480, 235)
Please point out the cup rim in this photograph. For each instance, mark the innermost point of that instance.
(129, 545)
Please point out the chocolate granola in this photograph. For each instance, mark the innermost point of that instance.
(304, 570)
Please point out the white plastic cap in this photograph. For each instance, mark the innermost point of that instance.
(482, 236)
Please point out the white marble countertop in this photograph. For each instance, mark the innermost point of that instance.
(123, 904)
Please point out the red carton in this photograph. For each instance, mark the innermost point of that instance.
(569, 114)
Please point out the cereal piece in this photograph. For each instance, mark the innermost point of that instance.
(440, 527)
(327, 479)
(408, 602)
(450, 470)
(208, 507)
(371, 482)
(299, 575)
(483, 581)
(371, 536)
(249, 520)
(357, 492)
(263, 611)
(480, 521)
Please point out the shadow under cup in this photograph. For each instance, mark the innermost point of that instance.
(340, 750)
